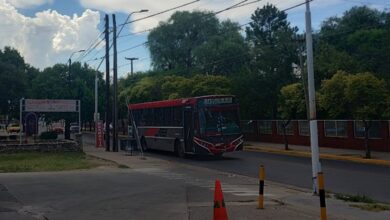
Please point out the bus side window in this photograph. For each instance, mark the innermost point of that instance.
(157, 117)
(167, 116)
(177, 116)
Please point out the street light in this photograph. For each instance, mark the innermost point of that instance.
(70, 62)
(131, 61)
(67, 134)
(128, 17)
(115, 105)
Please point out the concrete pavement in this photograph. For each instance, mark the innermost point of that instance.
(282, 201)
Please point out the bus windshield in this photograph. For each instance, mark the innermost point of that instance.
(219, 121)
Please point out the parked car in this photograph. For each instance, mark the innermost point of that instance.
(13, 128)
(74, 127)
(58, 130)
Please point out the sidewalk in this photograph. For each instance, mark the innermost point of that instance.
(378, 158)
(240, 192)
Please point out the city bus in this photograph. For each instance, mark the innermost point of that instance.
(199, 125)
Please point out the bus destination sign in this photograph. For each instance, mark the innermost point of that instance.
(218, 101)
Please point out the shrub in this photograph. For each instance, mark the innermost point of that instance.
(48, 135)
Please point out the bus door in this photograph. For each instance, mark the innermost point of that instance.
(188, 128)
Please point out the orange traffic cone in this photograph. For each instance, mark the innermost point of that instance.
(219, 203)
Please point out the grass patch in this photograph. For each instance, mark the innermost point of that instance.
(354, 198)
(372, 207)
(34, 162)
(122, 166)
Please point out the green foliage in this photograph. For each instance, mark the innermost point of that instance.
(329, 60)
(271, 40)
(192, 41)
(332, 96)
(225, 53)
(359, 41)
(354, 198)
(210, 85)
(48, 135)
(362, 96)
(292, 102)
(367, 96)
(172, 87)
(13, 81)
(54, 83)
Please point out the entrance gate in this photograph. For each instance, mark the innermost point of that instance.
(47, 105)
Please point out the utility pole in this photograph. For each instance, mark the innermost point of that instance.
(115, 80)
(131, 62)
(316, 166)
(107, 116)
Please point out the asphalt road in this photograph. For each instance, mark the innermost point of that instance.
(340, 177)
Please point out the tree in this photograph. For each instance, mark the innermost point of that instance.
(270, 38)
(368, 98)
(174, 87)
(362, 96)
(291, 106)
(190, 42)
(329, 60)
(332, 98)
(13, 81)
(172, 43)
(359, 41)
(224, 53)
(54, 83)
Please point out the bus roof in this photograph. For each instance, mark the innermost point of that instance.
(172, 103)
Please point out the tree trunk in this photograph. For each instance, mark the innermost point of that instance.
(67, 129)
(285, 135)
(366, 145)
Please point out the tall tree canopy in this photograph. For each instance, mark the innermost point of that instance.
(359, 41)
(273, 49)
(191, 41)
(13, 80)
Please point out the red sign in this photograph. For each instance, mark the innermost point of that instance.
(99, 134)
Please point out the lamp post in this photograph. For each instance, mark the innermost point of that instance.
(115, 79)
(131, 62)
(70, 62)
(67, 123)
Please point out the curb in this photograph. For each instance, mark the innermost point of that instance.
(322, 155)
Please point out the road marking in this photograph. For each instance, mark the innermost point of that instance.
(237, 190)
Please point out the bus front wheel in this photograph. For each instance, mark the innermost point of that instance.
(179, 149)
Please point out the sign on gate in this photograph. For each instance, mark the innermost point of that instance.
(99, 134)
(50, 105)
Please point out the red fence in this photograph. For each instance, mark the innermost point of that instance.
(336, 134)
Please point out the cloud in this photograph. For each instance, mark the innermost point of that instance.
(49, 37)
(28, 3)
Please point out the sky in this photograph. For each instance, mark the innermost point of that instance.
(47, 32)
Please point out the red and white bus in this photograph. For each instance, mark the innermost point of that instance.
(198, 125)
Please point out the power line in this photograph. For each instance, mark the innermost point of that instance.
(295, 6)
(214, 13)
(90, 46)
(89, 50)
(135, 33)
(284, 10)
(158, 13)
